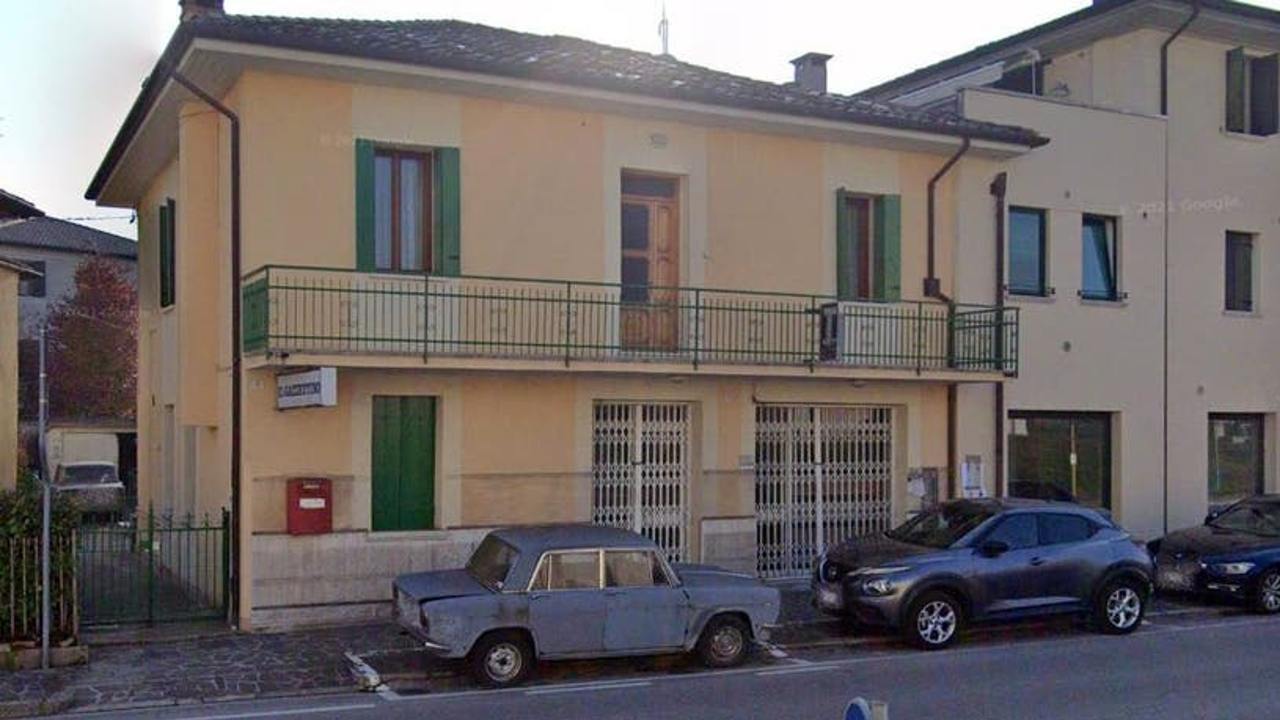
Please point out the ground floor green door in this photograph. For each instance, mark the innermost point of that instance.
(404, 461)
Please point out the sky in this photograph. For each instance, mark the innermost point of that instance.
(73, 67)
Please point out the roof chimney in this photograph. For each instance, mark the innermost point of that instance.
(811, 71)
(192, 9)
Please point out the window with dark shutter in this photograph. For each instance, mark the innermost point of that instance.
(1252, 93)
(168, 243)
(407, 209)
(1239, 272)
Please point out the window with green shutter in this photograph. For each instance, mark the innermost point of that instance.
(167, 231)
(868, 246)
(403, 463)
(1253, 93)
(407, 209)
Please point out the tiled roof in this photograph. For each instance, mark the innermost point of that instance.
(11, 204)
(48, 233)
(463, 46)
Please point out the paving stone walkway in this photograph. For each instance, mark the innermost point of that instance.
(227, 667)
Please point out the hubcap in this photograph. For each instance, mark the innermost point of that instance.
(1271, 593)
(503, 662)
(1123, 608)
(726, 644)
(936, 622)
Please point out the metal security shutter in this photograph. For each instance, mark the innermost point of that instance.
(640, 471)
(822, 474)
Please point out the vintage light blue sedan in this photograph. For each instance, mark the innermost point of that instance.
(580, 591)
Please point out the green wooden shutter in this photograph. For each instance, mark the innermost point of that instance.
(887, 277)
(166, 226)
(404, 459)
(447, 235)
(1264, 95)
(365, 209)
(417, 463)
(386, 463)
(1236, 90)
(846, 227)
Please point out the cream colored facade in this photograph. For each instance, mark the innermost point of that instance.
(541, 198)
(1177, 184)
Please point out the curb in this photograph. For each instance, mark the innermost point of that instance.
(56, 703)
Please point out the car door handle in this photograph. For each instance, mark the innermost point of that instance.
(1037, 561)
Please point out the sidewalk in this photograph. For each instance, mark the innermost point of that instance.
(173, 669)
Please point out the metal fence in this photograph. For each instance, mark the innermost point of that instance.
(319, 310)
(21, 591)
(158, 569)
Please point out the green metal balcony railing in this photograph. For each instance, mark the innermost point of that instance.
(290, 309)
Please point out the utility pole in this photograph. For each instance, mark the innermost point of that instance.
(46, 502)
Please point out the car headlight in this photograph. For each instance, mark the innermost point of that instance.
(1232, 568)
(878, 586)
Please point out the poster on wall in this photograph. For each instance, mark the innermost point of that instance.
(309, 388)
(971, 477)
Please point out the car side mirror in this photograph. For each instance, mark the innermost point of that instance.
(994, 548)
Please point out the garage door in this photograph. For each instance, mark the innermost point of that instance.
(823, 473)
(640, 471)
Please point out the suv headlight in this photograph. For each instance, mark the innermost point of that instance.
(877, 586)
(1232, 568)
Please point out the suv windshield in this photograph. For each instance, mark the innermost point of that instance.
(942, 526)
(491, 562)
(86, 475)
(1257, 519)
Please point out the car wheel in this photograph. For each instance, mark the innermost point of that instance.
(501, 660)
(1119, 607)
(1267, 597)
(724, 642)
(934, 621)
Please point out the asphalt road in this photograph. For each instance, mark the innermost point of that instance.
(1220, 666)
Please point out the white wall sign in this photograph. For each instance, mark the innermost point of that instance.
(310, 388)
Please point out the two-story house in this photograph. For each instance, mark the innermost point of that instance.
(485, 277)
(1138, 248)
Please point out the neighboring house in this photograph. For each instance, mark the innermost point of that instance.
(1141, 249)
(12, 274)
(54, 248)
(543, 279)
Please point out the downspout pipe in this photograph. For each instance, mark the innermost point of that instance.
(1164, 56)
(933, 289)
(233, 579)
(999, 186)
(1168, 203)
(932, 285)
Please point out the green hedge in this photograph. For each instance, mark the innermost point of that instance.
(20, 525)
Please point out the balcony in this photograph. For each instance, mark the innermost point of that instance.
(319, 313)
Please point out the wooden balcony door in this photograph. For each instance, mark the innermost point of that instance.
(650, 300)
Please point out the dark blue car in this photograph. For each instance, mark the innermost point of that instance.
(1235, 554)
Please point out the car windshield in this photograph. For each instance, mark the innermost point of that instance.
(87, 475)
(942, 526)
(1254, 518)
(491, 562)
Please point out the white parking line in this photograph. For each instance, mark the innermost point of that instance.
(796, 670)
(588, 687)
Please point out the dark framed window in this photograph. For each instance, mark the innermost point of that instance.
(1236, 456)
(1060, 456)
(1028, 230)
(1099, 258)
(1060, 528)
(1017, 531)
(402, 191)
(1253, 90)
(1239, 272)
(168, 224)
(32, 286)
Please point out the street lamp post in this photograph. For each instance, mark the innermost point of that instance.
(46, 501)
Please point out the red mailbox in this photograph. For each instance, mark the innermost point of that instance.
(310, 510)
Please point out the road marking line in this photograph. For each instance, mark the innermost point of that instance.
(386, 693)
(796, 670)
(588, 688)
(284, 713)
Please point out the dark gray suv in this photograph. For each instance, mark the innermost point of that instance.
(987, 560)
